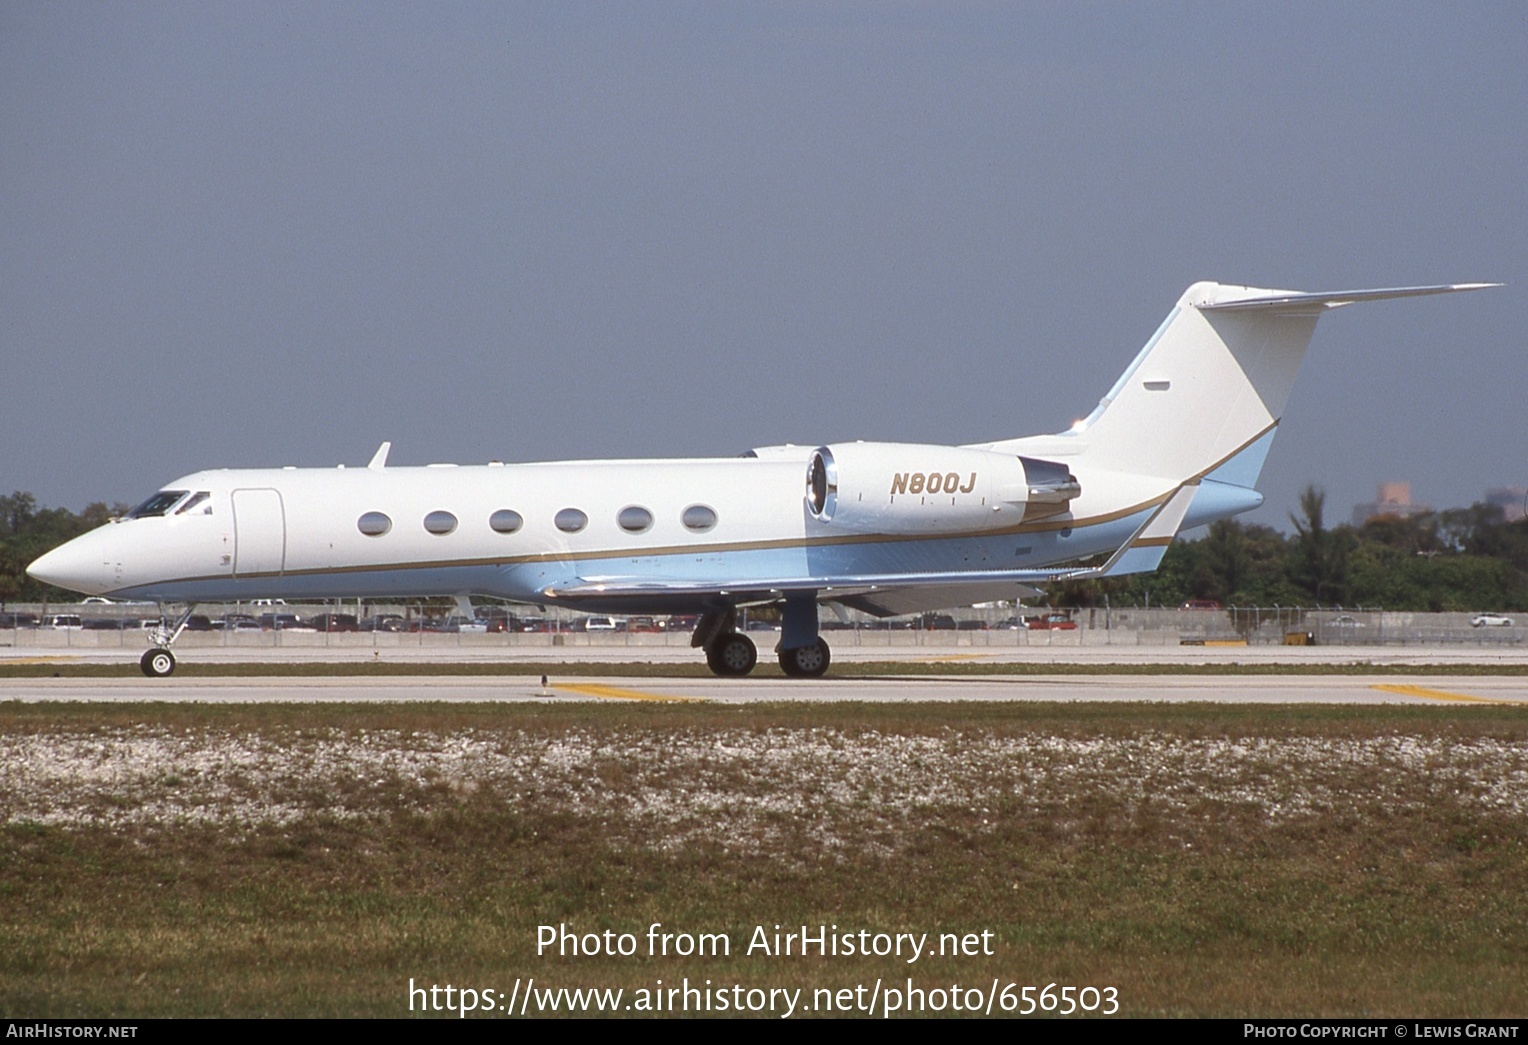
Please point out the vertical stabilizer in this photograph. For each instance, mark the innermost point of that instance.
(1212, 382)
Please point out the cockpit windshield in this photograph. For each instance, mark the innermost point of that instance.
(159, 504)
(199, 504)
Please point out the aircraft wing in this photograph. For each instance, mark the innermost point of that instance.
(888, 595)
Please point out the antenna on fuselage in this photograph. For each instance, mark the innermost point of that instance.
(379, 459)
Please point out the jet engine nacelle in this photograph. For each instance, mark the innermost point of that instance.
(906, 488)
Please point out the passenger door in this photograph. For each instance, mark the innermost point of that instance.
(259, 533)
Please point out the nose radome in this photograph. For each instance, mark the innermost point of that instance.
(72, 566)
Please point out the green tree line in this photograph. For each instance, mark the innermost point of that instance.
(1464, 559)
(28, 530)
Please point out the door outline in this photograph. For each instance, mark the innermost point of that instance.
(256, 512)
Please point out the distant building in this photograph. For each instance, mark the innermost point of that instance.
(1392, 499)
(1511, 501)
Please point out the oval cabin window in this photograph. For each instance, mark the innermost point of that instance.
(440, 522)
(505, 521)
(374, 524)
(699, 518)
(571, 520)
(635, 519)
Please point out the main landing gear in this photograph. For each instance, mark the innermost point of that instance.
(158, 662)
(731, 654)
(806, 662)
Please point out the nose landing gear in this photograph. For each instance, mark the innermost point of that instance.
(158, 662)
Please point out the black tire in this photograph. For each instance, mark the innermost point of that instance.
(731, 655)
(157, 663)
(807, 662)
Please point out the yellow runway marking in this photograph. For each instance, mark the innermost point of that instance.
(952, 658)
(1438, 694)
(590, 689)
(43, 660)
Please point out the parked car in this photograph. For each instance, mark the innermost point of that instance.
(281, 622)
(1491, 620)
(1200, 604)
(599, 624)
(1050, 622)
(63, 621)
(334, 622)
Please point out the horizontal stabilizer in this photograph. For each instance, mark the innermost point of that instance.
(1288, 302)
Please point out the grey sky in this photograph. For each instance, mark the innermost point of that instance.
(266, 234)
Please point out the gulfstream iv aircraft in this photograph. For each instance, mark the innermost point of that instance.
(887, 528)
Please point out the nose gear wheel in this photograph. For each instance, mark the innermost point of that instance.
(157, 663)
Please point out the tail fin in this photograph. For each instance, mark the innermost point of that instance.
(1211, 384)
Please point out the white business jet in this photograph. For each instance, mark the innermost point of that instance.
(887, 528)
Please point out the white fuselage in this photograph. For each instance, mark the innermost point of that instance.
(298, 532)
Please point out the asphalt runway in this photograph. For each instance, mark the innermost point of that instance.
(1442, 690)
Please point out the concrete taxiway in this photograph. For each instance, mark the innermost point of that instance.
(1443, 690)
(676, 650)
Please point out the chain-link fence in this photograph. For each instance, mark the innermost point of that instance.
(395, 625)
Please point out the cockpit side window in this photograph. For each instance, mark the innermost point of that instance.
(159, 504)
(199, 504)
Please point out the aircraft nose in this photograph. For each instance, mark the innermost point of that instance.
(70, 566)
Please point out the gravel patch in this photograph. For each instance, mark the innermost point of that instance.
(746, 790)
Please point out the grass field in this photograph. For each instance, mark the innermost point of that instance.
(1199, 859)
